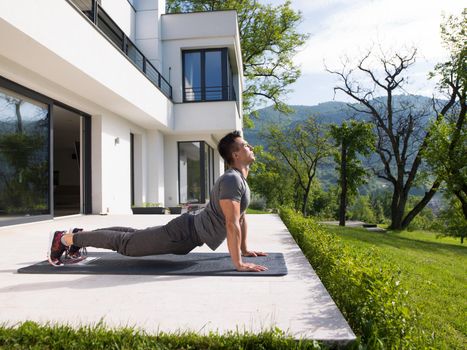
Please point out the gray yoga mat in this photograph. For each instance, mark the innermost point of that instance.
(193, 264)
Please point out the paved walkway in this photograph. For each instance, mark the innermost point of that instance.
(297, 303)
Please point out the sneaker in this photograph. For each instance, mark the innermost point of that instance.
(57, 248)
(75, 253)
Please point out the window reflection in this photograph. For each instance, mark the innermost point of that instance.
(189, 165)
(213, 76)
(196, 171)
(24, 156)
(192, 69)
(207, 76)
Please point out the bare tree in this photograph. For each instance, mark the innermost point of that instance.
(400, 126)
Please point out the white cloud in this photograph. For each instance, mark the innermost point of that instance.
(356, 26)
(343, 27)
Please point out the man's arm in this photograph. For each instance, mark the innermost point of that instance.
(244, 245)
(231, 211)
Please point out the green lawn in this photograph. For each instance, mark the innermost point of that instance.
(256, 211)
(435, 273)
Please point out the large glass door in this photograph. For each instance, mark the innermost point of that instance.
(67, 161)
(24, 156)
(196, 171)
(45, 157)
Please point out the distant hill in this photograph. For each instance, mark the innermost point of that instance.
(326, 113)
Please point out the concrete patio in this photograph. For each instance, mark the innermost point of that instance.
(296, 303)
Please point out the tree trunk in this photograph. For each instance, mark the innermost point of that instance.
(399, 200)
(19, 119)
(305, 200)
(461, 199)
(343, 197)
(307, 189)
(420, 205)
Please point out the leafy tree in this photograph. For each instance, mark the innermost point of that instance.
(453, 220)
(302, 148)
(446, 150)
(323, 202)
(269, 177)
(269, 40)
(362, 210)
(352, 138)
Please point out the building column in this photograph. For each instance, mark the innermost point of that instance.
(148, 29)
(96, 164)
(155, 167)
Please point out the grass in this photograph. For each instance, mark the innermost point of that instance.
(256, 211)
(434, 271)
(30, 335)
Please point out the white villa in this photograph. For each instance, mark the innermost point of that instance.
(105, 104)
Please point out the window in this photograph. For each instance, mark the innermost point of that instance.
(24, 156)
(207, 76)
(196, 171)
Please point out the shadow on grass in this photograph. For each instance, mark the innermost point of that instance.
(393, 239)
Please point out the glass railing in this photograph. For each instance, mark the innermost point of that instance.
(102, 20)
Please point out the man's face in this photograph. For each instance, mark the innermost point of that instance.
(244, 151)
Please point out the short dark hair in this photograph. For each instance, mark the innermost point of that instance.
(226, 146)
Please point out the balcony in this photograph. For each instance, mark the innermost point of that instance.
(215, 117)
(96, 14)
(209, 93)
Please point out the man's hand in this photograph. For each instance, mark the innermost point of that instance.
(253, 253)
(249, 267)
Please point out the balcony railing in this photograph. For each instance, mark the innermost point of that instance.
(102, 20)
(209, 93)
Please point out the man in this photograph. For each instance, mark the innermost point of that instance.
(223, 217)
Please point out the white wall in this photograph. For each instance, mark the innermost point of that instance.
(123, 14)
(111, 165)
(148, 29)
(217, 117)
(96, 164)
(155, 150)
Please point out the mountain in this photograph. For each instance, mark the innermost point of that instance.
(326, 113)
(332, 112)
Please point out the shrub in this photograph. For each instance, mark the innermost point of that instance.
(367, 291)
(257, 202)
(362, 210)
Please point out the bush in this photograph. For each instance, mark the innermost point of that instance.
(257, 202)
(368, 292)
(362, 210)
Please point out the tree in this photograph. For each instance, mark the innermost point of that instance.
(453, 220)
(446, 150)
(352, 138)
(401, 128)
(269, 40)
(269, 177)
(302, 148)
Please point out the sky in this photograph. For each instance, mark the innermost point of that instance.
(349, 28)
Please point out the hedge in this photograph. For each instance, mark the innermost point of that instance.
(368, 292)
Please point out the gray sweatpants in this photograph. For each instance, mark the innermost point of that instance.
(176, 237)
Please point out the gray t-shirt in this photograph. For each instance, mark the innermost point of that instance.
(210, 223)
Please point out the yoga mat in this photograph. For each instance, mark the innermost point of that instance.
(192, 264)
